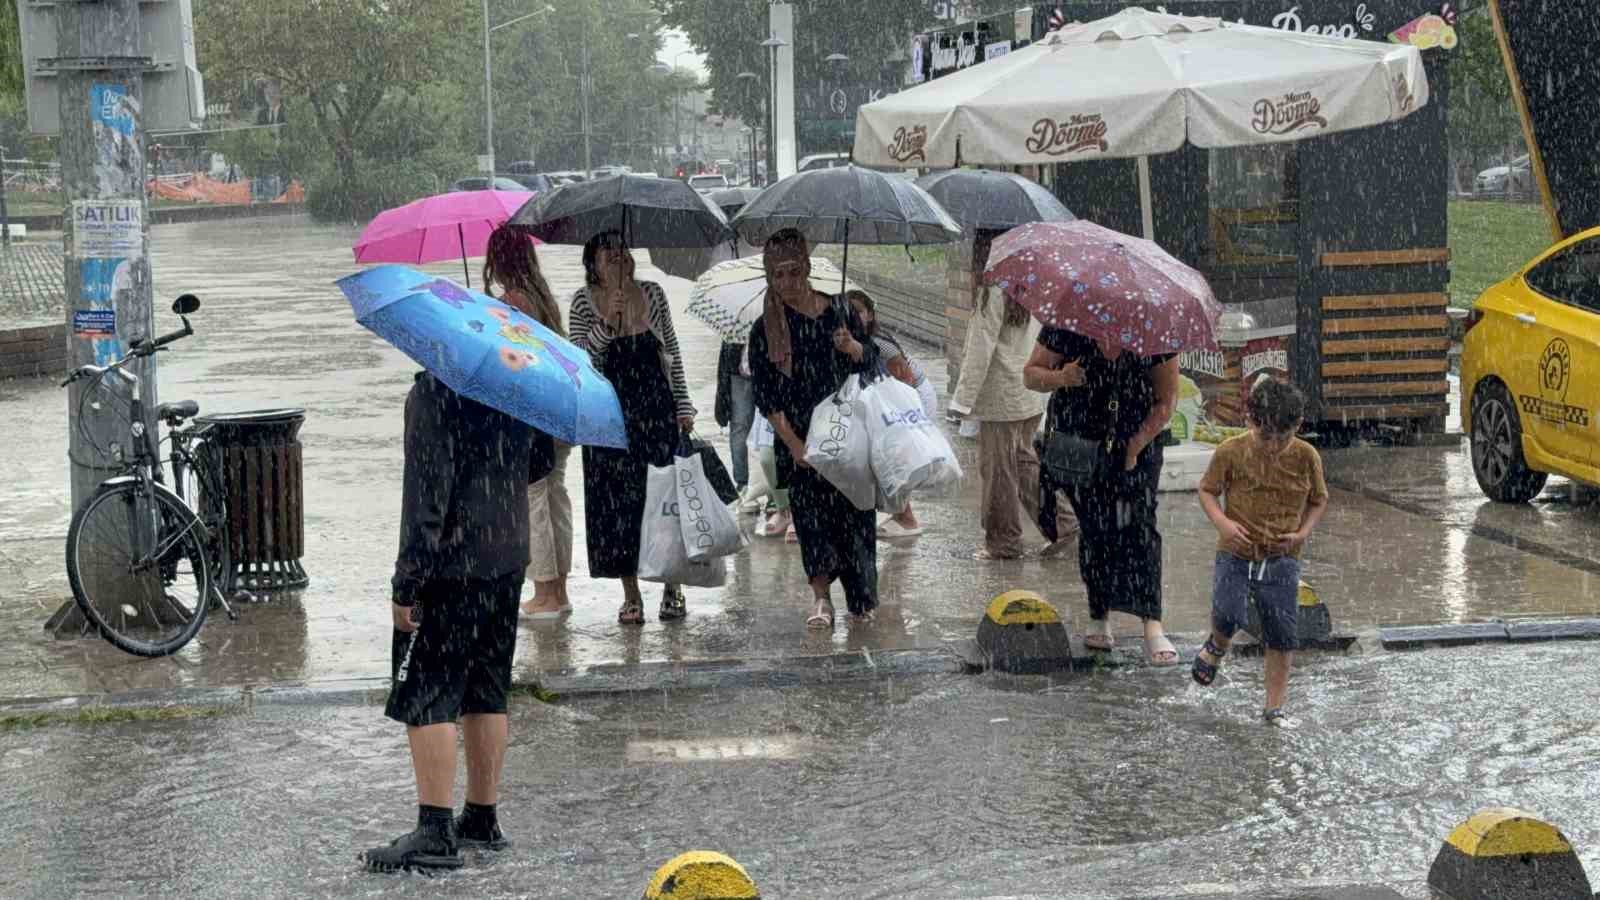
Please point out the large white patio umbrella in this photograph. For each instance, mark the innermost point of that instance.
(1140, 83)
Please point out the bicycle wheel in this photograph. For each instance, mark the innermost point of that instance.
(200, 485)
(139, 569)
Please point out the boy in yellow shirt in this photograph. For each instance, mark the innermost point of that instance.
(1275, 495)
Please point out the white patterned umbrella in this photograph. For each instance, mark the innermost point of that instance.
(732, 295)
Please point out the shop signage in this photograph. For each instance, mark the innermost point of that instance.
(1289, 113)
(909, 144)
(1075, 134)
(1289, 20)
(1202, 362)
(996, 50)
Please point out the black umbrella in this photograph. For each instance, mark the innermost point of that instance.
(844, 204)
(731, 200)
(649, 212)
(995, 201)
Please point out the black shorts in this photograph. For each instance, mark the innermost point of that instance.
(458, 661)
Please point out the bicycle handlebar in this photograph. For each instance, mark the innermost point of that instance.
(136, 350)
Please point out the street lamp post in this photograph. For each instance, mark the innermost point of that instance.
(488, 80)
(750, 78)
(772, 44)
(838, 62)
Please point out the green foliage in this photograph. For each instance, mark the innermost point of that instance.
(730, 33)
(1483, 121)
(11, 77)
(1488, 241)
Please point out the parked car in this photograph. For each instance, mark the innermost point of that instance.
(564, 177)
(605, 171)
(538, 183)
(1492, 181)
(481, 183)
(822, 161)
(705, 184)
(1530, 373)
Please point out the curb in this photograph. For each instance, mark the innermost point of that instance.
(957, 657)
(593, 681)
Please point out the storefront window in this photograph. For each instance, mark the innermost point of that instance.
(1254, 206)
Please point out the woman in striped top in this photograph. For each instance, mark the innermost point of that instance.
(626, 326)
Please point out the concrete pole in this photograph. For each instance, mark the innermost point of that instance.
(488, 98)
(583, 92)
(5, 222)
(102, 172)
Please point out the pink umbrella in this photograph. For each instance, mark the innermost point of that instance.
(443, 226)
(1104, 284)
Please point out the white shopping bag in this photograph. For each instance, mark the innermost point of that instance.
(709, 529)
(838, 447)
(761, 435)
(909, 452)
(663, 556)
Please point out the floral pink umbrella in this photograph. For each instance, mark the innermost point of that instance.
(1104, 284)
(440, 227)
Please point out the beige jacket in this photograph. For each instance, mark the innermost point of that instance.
(990, 388)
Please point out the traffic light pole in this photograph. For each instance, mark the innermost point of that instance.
(107, 273)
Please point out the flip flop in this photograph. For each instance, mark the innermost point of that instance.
(984, 555)
(1102, 642)
(545, 615)
(1159, 648)
(1277, 718)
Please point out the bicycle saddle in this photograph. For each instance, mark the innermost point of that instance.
(176, 413)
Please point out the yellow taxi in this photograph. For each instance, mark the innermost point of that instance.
(1530, 373)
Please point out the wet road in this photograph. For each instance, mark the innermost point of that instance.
(1133, 783)
(275, 332)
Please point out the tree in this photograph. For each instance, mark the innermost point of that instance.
(349, 61)
(1483, 119)
(730, 32)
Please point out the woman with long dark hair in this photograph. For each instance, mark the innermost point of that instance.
(801, 351)
(626, 326)
(512, 264)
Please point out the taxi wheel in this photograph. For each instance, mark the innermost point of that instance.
(1497, 448)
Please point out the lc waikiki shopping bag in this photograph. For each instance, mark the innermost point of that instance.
(908, 451)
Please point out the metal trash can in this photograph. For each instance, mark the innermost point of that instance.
(258, 456)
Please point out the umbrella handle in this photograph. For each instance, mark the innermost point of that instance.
(467, 273)
(844, 265)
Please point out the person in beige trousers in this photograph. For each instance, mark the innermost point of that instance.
(512, 264)
(1000, 338)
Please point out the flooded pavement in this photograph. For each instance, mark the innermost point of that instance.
(1116, 785)
(274, 332)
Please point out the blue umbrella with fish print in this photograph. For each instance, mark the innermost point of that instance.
(489, 352)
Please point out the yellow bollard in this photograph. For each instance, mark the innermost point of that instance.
(1022, 632)
(1502, 852)
(701, 875)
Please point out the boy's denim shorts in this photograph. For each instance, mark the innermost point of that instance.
(1274, 585)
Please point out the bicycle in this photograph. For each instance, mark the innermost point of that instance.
(145, 568)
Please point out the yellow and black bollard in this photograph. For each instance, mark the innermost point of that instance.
(1502, 853)
(1021, 632)
(701, 875)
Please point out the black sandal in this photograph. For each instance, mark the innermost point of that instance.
(673, 605)
(1275, 716)
(1205, 673)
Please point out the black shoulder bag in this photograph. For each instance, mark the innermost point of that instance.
(1077, 462)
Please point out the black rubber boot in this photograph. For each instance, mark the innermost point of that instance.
(470, 832)
(423, 848)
